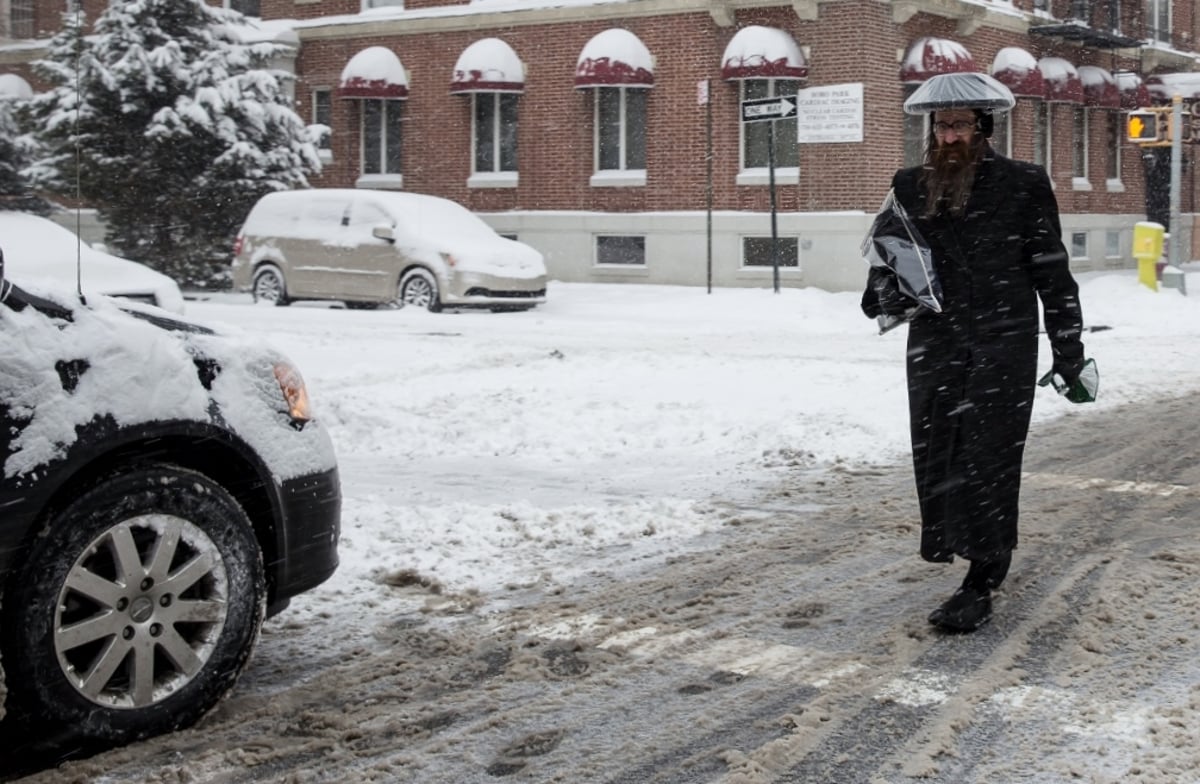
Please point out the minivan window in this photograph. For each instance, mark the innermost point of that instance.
(367, 214)
(323, 213)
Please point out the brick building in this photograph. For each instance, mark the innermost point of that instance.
(609, 134)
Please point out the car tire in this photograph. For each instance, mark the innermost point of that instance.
(269, 286)
(419, 288)
(136, 608)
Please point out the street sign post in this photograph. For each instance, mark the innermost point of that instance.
(764, 110)
(760, 109)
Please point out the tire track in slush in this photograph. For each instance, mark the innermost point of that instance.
(902, 732)
(797, 639)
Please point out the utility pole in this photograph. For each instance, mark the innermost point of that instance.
(1176, 176)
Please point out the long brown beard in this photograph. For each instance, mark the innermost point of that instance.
(949, 174)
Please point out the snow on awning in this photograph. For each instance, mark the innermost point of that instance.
(13, 86)
(375, 72)
(757, 52)
(488, 66)
(1017, 70)
(1062, 80)
(1099, 87)
(932, 56)
(614, 58)
(1134, 94)
(1164, 87)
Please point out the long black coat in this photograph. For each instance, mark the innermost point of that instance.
(972, 369)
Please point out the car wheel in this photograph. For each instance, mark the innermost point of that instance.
(269, 286)
(419, 288)
(136, 609)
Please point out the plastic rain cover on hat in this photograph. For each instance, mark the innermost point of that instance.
(960, 91)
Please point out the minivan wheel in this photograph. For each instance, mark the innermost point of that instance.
(269, 286)
(418, 288)
(137, 608)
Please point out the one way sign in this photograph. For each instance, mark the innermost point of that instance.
(758, 109)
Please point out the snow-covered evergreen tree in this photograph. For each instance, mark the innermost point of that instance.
(15, 154)
(171, 126)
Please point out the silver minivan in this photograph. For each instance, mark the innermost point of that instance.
(370, 248)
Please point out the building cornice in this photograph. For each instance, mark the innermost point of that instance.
(452, 18)
(969, 16)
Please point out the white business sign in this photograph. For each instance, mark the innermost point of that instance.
(830, 113)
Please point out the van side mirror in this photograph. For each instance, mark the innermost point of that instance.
(384, 232)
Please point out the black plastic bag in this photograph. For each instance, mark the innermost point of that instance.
(902, 266)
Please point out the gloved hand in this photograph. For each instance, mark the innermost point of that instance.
(1081, 388)
(887, 292)
(1068, 369)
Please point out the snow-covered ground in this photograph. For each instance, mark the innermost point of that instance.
(482, 450)
(654, 534)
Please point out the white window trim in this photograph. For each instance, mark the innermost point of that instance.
(1116, 255)
(1081, 183)
(362, 151)
(1071, 245)
(622, 136)
(770, 268)
(505, 179)
(750, 176)
(1114, 184)
(325, 154)
(1006, 120)
(789, 175)
(598, 265)
(1158, 36)
(618, 178)
(380, 182)
(494, 178)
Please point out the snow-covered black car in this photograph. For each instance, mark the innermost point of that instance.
(164, 489)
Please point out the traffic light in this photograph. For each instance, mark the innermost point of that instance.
(1143, 127)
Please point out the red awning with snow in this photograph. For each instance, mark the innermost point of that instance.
(932, 56)
(757, 52)
(375, 72)
(1017, 70)
(1164, 87)
(1062, 80)
(1134, 94)
(489, 65)
(614, 58)
(1099, 87)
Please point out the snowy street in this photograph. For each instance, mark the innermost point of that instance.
(648, 534)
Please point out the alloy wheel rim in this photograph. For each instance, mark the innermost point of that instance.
(141, 611)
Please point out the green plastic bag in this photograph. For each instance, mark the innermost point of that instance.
(1083, 390)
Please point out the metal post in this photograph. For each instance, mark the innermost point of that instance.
(1176, 176)
(771, 180)
(709, 189)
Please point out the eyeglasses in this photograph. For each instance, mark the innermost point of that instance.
(960, 127)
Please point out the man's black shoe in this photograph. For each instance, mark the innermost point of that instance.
(965, 611)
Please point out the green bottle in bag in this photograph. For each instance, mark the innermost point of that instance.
(1083, 390)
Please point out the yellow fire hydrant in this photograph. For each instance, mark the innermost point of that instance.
(1148, 249)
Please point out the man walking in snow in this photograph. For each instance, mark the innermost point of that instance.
(992, 226)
